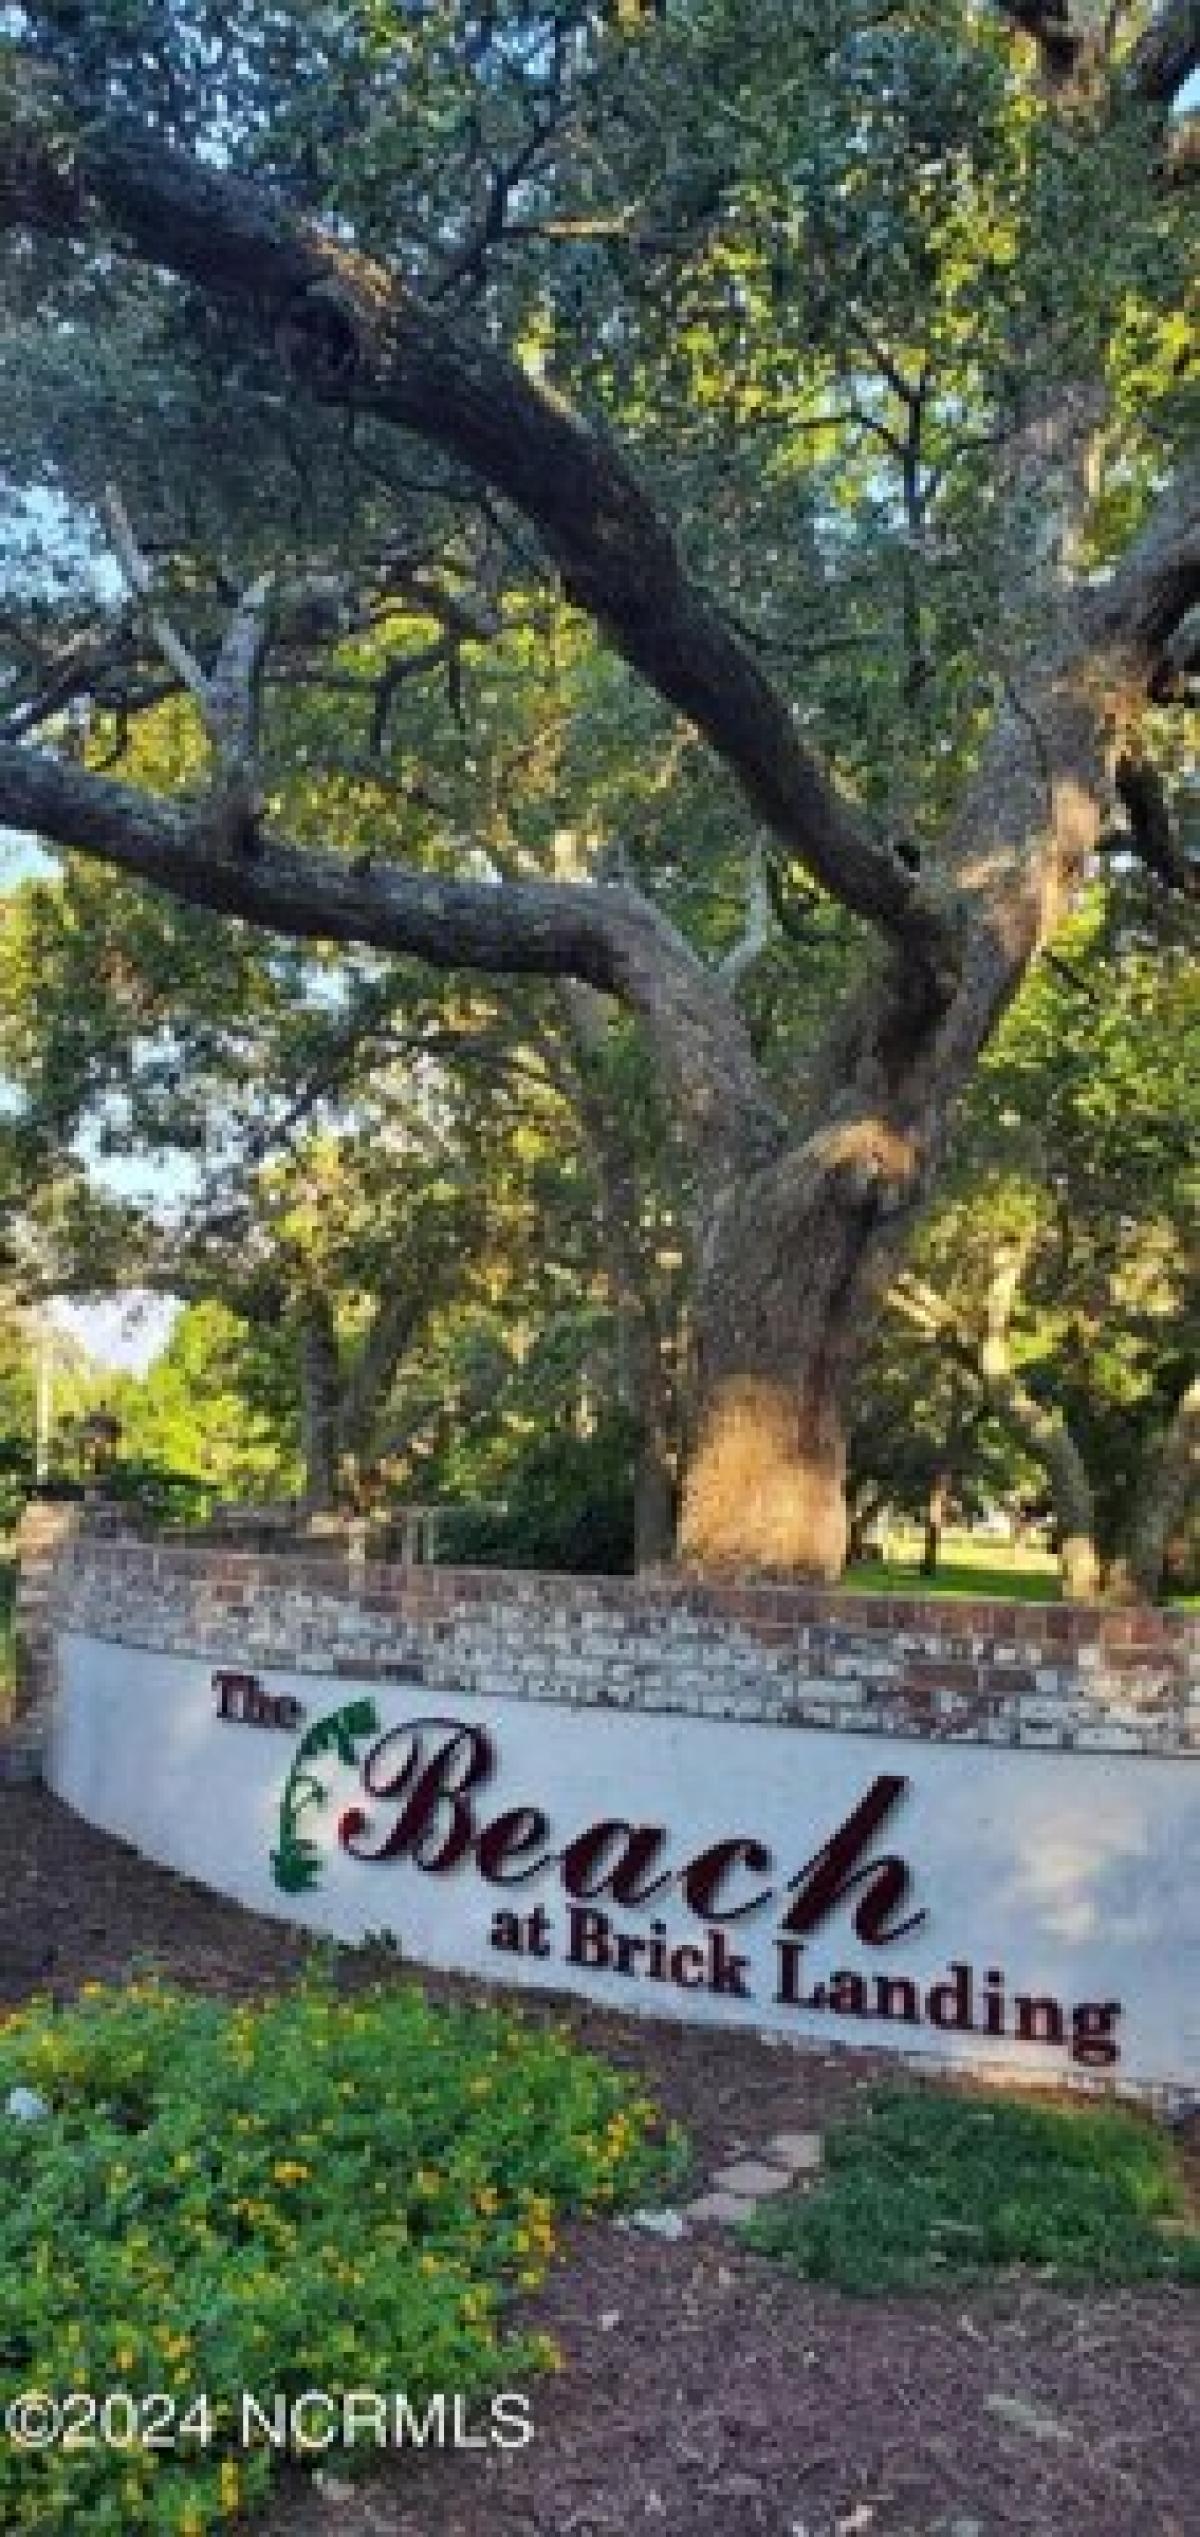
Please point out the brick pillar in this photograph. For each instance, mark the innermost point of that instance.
(47, 1527)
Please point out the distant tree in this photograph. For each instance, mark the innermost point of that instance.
(218, 1405)
(1055, 1285)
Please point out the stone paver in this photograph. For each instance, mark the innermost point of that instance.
(751, 2178)
(723, 2209)
(799, 2151)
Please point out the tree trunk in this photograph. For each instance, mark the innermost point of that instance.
(1163, 1503)
(1044, 1431)
(861, 1518)
(653, 1506)
(766, 1485)
(1047, 1435)
(780, 1309)
(935, 1516)
(320, 1395)
(364, 1386)
(643, 1391)
(643, 1384)
(1078, 1563)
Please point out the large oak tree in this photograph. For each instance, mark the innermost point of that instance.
(871, 317)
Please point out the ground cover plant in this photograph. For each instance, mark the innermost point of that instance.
(323, 2192)
(925, 2188)
(7, 1590)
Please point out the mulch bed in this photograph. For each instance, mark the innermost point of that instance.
(705, 2393)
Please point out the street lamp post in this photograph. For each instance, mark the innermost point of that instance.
(45, 1406)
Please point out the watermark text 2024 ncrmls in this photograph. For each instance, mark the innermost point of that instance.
(305, 2425)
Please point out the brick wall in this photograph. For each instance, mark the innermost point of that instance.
(1004, 1673)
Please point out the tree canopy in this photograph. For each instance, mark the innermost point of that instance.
(681, 522)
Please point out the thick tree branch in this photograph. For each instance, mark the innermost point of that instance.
(139, 575)
(1140, 611)
(610, 937)
(1168, 53)
(364, 1387)
(757, 931)
(359, 338)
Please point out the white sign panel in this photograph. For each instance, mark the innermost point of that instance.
(1024, 1910)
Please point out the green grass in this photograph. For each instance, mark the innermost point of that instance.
(926, 2189)
(320, 2192)
(990, 1582)
(1022, 1572)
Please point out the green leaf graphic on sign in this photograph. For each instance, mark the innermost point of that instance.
(296, 1863)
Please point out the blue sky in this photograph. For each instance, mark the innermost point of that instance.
(128, 1332)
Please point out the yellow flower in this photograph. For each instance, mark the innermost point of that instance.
(230, 2487)
(291, 2171)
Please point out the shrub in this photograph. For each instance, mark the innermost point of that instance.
(319, 2192)
(568, 1504)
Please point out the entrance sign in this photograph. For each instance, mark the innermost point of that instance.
(1036, 1912)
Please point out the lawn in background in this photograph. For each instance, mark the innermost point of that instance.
(994, 1571)
(927, 2188)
